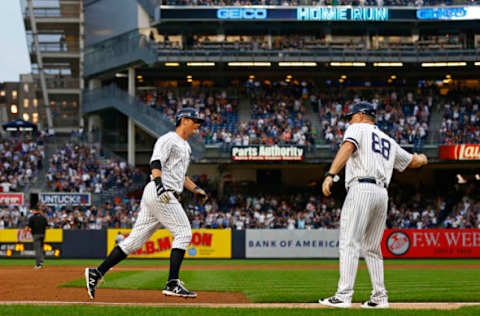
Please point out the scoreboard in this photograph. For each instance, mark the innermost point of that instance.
(339, 13)
(18, 243)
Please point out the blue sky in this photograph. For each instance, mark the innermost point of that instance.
(14, 59)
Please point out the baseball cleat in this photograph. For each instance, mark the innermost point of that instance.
(334, 302)
(370, 304)
(176, 288)
(93, 278)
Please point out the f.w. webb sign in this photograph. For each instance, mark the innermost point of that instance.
(267, 153)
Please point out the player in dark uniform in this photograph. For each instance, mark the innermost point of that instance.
(37, 223)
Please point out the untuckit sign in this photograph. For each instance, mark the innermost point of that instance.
(57, 199)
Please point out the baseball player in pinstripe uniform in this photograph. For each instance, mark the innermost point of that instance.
(370, 157)
(159, 205)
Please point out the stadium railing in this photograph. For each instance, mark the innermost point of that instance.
(149, 6)
(61, 82)
(319, 153)
(321, 55)
(70, 11)
(145, 116)
(126, 49)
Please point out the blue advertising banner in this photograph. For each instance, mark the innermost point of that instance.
(316, 13)
(61, 198)
(449, 13)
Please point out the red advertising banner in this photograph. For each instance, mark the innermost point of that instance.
(459, 152)
(431, 243)
(11, 198)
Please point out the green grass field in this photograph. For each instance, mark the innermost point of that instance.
(188, 311)
(164, 262)
(433, 283)
(275, 286)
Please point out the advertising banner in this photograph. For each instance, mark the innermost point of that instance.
(11, 198)
(18, 243)
(281, 243)
(431, 243)
(206, 243)
(60, 198)
(459, 152)
(316, 13)
(449, 13)
(267, 153)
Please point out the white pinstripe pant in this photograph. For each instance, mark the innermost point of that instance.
(152, 214)
(362, 222)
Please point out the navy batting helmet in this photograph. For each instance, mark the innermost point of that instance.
(190, 113)
(361, 107)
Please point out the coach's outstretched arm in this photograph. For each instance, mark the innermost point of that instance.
(418, 160)
(337, 165)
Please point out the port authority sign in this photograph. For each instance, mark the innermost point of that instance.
(267, 153)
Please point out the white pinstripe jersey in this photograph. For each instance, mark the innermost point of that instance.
(376, 154)
(174, 155)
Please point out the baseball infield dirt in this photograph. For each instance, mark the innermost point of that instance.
(25, 284)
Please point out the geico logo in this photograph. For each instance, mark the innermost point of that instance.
(441, 13)
(242, 13)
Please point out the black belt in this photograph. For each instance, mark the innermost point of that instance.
(371, 180)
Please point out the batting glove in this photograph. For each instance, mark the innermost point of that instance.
(202, 194)
(162, 193)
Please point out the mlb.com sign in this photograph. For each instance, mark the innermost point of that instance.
(165, 243)
(205, 243)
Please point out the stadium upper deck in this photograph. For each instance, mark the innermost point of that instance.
(148, 45)
(281, 37)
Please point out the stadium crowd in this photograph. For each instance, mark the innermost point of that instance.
(242, 211)
(216, 107)
(461, 121)
(20, 161)
(311, 42)
(79, 168)
(403, 115)
(279, 113)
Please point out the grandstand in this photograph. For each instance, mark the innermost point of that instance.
(263, 74)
